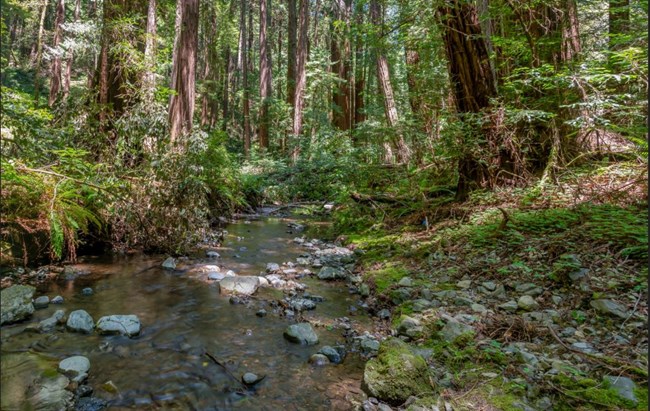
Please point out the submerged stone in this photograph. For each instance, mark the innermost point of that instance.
(302, 333)
(16, 303)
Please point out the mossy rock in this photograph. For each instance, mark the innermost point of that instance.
(396, 373)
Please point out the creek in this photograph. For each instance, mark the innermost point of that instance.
(182, 317)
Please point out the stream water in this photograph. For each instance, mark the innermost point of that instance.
(164, 367)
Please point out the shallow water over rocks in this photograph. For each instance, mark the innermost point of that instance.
(181, 317)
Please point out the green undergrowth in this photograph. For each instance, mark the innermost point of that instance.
(587, 392)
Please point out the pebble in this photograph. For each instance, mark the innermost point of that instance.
(87, 291)
(261, 313)
(42, 302)
(57, 300)
(318, 360)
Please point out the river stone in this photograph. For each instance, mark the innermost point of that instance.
(243, 284)
(169, 263)
(527, 303)
(301, 333)
(48, 324)
(454, 329)
(396, 373)
(216, 276)
(87, 291)
(74, 366)
(318, 360)
(609, 307)
(331, 353)
(249, 378)
(128, 325)
(57, 300)
(42, 302)
(302, 304)
(90, 404)
(369, 345)
(80, 321)
(331, 273)
(624, 387)
(464, 284)
(212, 254)
(272, 267)
(16, 303)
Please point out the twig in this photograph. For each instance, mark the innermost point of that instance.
(220, 364)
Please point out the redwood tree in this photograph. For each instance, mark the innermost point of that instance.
(181, 107)
(55, 74)
(265, 74)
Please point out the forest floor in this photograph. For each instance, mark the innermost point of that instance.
(528, 299)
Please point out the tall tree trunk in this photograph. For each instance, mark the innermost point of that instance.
(245, 99)
(359, 76)
(209, 101)
(55, 74)
(386, 89)
(114, 80)
(39, 54)
(301, 75)
(471, 79)
(571, 45)
(292, 35)
(181, 108)
(149, 78)
(68, 66)
(340, 60)
(265, 74)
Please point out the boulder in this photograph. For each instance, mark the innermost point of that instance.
(609, 307)
(246, 285)
(16, 303)
(80, 321)
(331, 273)
(332, 354)
(624, 387)
(128, 325)
(73, 367)
(396, 374)
(169, 263)
(42, 302)
(454, 329)
(48, 324)
(527, 303)
(301, 333)
(318, 360)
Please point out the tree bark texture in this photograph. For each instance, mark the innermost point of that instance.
(386, 89)
(149, 77)
(245, 99)
(301, 74)
(181, 107)
(265, 74)
(55, 73)
(39, 53)
(70, 61)
(340, 60)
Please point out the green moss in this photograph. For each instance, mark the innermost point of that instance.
(590, 391)
(396, 373)
(387, 276)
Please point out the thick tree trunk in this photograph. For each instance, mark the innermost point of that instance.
(39, 54)
(471, 79)
(113, 80)
(55, 73)
(265, 74)
(68, 66)
(245, 99)
(359, 76)
(181, 108)
(301, 75)
(209, 101)
(340, 60)
(292, 36)
(571, 45)
(386, 89)
(149, 77)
